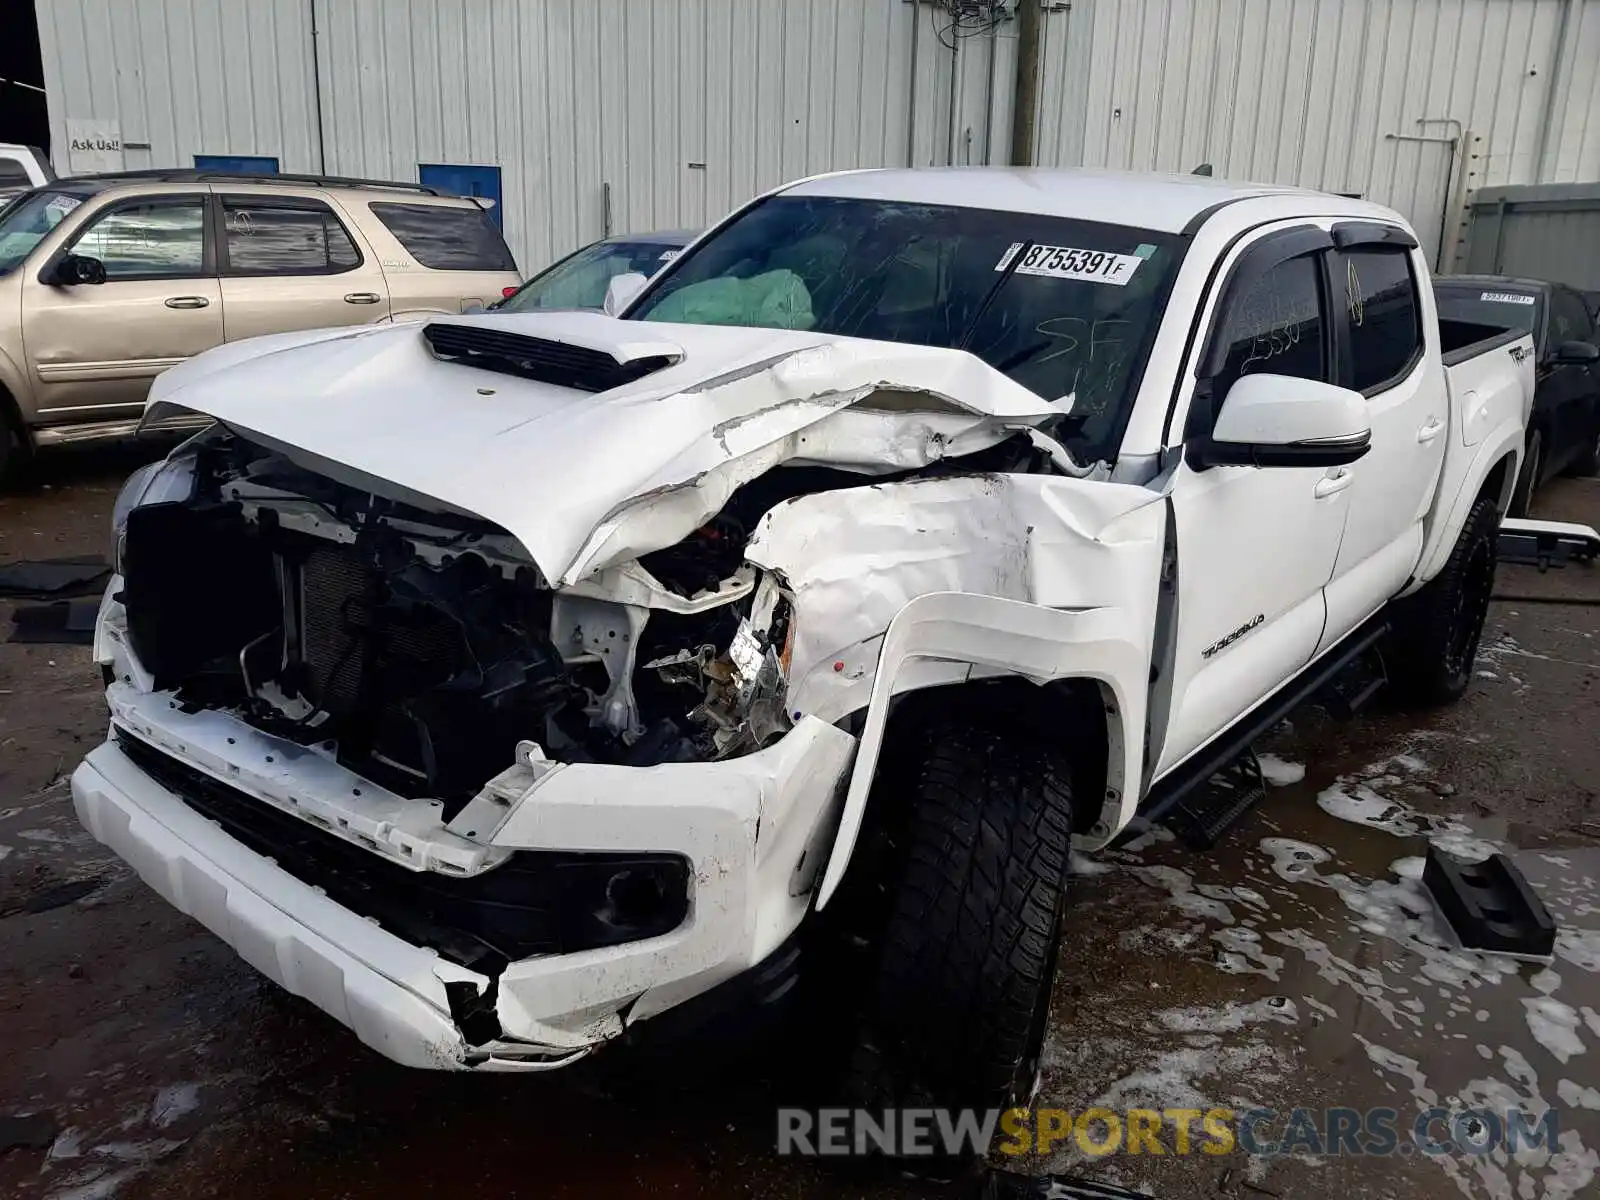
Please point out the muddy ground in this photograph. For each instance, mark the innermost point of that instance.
(1296, 965)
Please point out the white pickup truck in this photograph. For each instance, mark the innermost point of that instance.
(504, 682)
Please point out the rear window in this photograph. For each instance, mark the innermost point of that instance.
(1385, 326)
(1494, 305)
(446, 239)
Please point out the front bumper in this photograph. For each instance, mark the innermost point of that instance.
(753, 830)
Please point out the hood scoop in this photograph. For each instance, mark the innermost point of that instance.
(543, 360)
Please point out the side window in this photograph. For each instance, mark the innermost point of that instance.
(154, 240)
(263, 238)
(1380, 297)
(1274, 325)
(446, 237)
(1569, 318)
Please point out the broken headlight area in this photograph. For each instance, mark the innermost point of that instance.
(420, 647)
(535, 902)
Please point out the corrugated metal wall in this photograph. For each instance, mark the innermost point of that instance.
(183, 76)
(1540, 232)
(1344, 95)
(679, 109)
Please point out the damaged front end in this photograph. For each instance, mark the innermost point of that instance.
(571, 752)
(420, 648)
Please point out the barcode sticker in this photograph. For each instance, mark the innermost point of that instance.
(1505, 298)
(1065, 262)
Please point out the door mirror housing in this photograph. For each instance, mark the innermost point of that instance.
(1281, 421)
(621, 291)
(73, 269)
(1579, 353)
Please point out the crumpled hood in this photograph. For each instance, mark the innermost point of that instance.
(585, 480)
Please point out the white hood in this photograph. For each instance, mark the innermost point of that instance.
(586, 480)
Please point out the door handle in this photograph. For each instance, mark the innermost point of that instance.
(187, 302)
(362, 298)
(1328, 485)
(1431, 430)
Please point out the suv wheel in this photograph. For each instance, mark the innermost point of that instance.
(957, 914)
(13, 448)
(1436, 631)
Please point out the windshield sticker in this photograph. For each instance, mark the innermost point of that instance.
(59, 206)
(1064, 262)
(1005, 259)
(669, 255)
(1505, 298)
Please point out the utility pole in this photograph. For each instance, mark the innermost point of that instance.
(1025, 98)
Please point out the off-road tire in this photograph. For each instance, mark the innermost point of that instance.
(965, 881)
(1528, 479)
(1434, 641)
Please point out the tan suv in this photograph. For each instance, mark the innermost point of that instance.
(106, 281)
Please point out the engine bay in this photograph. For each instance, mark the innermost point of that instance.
(420, 647)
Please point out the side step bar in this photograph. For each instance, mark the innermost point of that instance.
(1179, 785)
(1546, 544)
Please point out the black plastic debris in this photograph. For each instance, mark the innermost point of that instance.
(55, 578)
(1490, 905)
(1004, 1185)
(30, 1131)
(61, 622)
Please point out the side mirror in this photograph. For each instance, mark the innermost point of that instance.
(621, 291)
(1581, 353)
(73, 269)
(1281, 421)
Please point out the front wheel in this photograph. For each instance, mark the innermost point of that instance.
(969, 870)
(1434, 641)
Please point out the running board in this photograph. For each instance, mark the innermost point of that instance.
(1232, 744)
(1204, 814)
(1546, 544)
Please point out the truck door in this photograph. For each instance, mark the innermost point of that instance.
(1255, 545)
(1379, 315)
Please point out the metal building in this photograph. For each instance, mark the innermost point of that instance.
(583, 116)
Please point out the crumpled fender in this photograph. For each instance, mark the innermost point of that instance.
(996, 636)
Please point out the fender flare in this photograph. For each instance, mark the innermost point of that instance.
(1507, 439)
(1007, 637)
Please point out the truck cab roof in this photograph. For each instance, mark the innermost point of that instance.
(1168, 202)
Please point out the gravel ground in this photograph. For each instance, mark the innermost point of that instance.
(1292, 966)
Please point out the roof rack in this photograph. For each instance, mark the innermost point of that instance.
(190, 174)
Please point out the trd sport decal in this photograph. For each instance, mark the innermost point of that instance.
(1233, 637)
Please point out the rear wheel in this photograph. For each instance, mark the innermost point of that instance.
(1528, 480)
(957, 912)
(1436, 632)
(13, 450)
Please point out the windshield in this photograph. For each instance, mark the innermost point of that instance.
(26, 221)
(1062, 306)
(579, 280)
(1499, 308)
